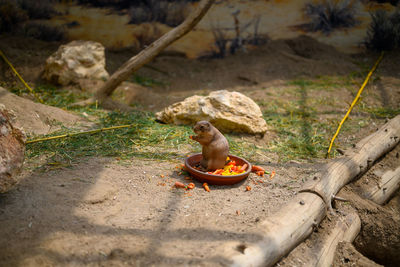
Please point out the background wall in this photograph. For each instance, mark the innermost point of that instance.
(230, 24)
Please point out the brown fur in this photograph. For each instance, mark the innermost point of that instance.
(215, 146)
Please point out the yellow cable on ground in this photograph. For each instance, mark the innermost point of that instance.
(79, 133)
(19, 76)
(354, 101)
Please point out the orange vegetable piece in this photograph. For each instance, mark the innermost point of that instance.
(255, 168)
(191, 186)
(238, 212)
(272, 174)
(248, 188)
(243, 168)
(191, 137)
(205, 185)
(162, 175)
(179, 185)
(260, 173)
(218, 171)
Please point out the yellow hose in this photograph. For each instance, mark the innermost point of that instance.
(19, 76)
(354, 101)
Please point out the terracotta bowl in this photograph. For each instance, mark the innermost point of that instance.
(193, 160)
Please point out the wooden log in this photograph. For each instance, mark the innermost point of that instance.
(379, 238)
(347, 255)
(288, 227)
(321, 248)
(341, 171)
(323, 252)
(388, 184)
(146, 55)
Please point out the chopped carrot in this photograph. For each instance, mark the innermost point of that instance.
(205, 185)
(255, 168)
(260, 173)
(190, 186)
(248, 188)
(188, 178)
(162, 175)
(179, 185)
(218, 171)
(243, 168)
(272, 175)
(238, 212)
(191, 137)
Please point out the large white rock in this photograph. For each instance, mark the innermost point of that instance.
(74, 61)
(228, 111)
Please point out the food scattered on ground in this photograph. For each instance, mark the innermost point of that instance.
(191, 186)
(179, 185)
(238, 212)
(272, 174)
(205, 185)
(255, 168)
(260, 173)
(248, 188)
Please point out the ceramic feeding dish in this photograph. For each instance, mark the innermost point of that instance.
(216, 179)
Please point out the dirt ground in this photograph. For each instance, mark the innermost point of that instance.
(107, 212)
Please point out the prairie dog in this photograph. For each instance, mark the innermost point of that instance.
(215, 146)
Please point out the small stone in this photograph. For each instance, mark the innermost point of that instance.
(302, 202)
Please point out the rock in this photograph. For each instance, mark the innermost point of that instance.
(12, 149)
(36, 118)
(74, 61)
(228, 111)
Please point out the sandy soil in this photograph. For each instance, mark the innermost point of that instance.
(106, 212)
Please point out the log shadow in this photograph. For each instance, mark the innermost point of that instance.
(45, 208)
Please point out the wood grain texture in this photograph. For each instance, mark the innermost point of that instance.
(294, 222)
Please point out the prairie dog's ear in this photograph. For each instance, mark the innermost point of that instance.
(205, 125)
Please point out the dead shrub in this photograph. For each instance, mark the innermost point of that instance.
(330, 15)
(166, 12)
(384, 31)
(43, 32)
(37, 9)
(11, 15)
